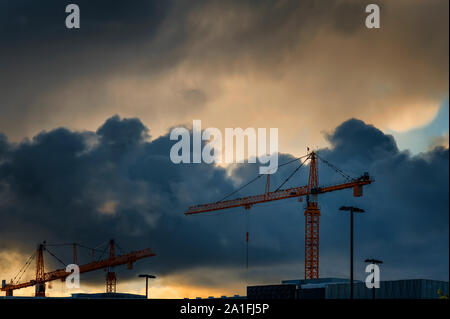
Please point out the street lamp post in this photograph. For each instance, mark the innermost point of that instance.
(146, 282)
(352, 210)
(376, 262)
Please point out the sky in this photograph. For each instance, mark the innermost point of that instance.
(86, 115)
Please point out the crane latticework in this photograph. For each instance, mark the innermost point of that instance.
(312, 211)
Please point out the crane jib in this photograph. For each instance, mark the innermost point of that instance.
(96, 265)
(312, 210)
(247, 202)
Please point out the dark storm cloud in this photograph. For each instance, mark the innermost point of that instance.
(122, 132)
(59, 175)
(407, 223)
(3, 145)
(39, 55)
(66, 186)
(24, 21)
(368, 142)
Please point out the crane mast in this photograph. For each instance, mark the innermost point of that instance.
(40, 280)
(312, 211)
(312, 215)
(111, 280)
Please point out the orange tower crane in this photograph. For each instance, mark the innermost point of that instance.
(42, 277)
(312, 211)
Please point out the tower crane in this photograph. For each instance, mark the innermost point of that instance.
(42, 277)
(312, 211)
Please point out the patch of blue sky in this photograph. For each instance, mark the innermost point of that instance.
(419, 139)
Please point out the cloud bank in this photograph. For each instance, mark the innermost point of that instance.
(231, 64)
(65, 186)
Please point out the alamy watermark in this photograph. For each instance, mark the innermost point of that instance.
(372, 20)
(73, 19)
(73, 280)
(208, 146)
(373, 279)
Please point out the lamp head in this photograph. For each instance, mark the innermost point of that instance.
(351, 208)
(373, 261)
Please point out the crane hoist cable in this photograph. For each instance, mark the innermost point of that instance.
(240, 188)
(247, 226)
(90, 249)
(54, 256)
(258, 176)
(77, 244)
(250, 182)
(345, 175)
(120, 248)
(247, 210)
(247, 217)
(103, 252)
(24, 268)
(292, 174)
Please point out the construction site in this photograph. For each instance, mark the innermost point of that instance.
(212, 149)
(107, 264)
(311, 287)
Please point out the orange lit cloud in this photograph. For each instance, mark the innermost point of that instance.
(307, 71)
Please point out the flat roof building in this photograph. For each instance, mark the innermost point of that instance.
(338, 288)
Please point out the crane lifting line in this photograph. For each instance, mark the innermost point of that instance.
(346, 176)
(341, 172)
(307, 156)
(247, 221)
(79, 245)
(23, 269)
(292, 174)
(258, 176)
(54, 256)
(27, 264)
(102, 251)
(86, 247)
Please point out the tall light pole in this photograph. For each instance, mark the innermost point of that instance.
(376, 262)
(352, 210)
(146, 282)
